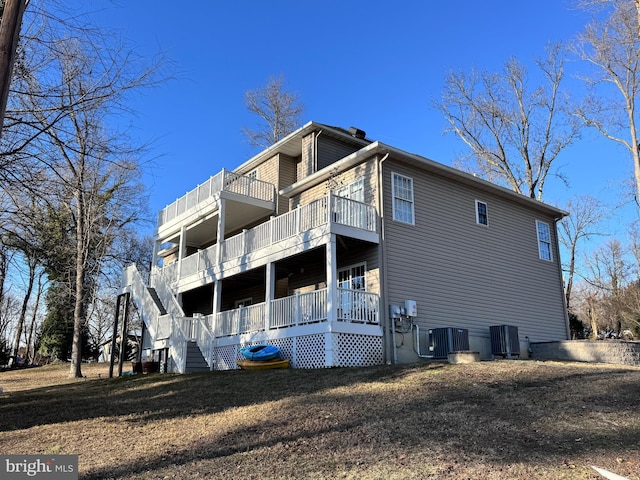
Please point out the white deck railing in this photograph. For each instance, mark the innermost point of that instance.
(358, 306)
(223, 181)
(343, 211)
(300, 309)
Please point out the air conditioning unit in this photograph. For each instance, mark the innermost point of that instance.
(443, 341)
(505, 341)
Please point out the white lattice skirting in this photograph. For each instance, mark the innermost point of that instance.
(314, 351)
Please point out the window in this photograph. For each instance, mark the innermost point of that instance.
(482, 214)
(351, 281)
(346, 211)
(544, 240)
(402, 193)
(354, 191)
(352, 277)
(253, 174)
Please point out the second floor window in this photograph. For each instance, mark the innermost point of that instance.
(482, 213)
(544, 240)
(402, 195)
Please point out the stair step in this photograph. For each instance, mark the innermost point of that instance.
(195, 361)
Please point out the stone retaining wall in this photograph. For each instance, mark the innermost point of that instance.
(601, 351)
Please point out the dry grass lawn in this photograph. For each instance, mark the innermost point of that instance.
(488, 420)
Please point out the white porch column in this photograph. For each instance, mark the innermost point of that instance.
(270, 288)
(221, 226)
(156, 248)
(182, 249)
(332, 299)
(217, 299)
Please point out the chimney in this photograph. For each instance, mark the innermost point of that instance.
(357, 133)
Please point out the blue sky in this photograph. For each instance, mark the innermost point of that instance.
(376, 65)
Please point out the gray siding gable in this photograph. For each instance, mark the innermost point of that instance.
(331, 150)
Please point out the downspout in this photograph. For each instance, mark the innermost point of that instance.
(315, 151)
(391, 342)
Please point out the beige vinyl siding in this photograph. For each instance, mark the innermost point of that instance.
(306, 166)
(279, 170)
(366, 170)
(467, 275)
(286, 177)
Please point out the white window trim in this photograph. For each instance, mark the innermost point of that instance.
(393, 199)
(486, 208)
(540, 241)
(350, 268)
(351, 190)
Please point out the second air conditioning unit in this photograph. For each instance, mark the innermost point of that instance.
(442, 341)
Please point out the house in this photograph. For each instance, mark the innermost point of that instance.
(344, 251)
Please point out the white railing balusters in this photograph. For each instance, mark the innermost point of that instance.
(298, 221)
(303, 308)
(228, 181)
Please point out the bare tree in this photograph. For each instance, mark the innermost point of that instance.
(93, 173)
(585, 213)
(609, 276)
(611, 46)
(31, 334)
(515, 132)
(279, 109)
(32, 262)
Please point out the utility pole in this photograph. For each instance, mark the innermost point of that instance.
(9, 34)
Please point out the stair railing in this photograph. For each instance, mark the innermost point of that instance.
(178, 346)
(190, 328)
(146, 305)
(165, 294)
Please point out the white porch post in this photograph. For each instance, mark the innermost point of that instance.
(156, 248)
(332, 299)
(220, 237)
(270, 284)
(217, 301)
(182, 249)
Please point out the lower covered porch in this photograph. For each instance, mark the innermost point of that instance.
(321, 308)
(299, 325)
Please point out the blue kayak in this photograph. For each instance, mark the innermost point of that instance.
(260, 352)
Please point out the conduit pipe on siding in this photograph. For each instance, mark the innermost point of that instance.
(416, 342)
(391, 341)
